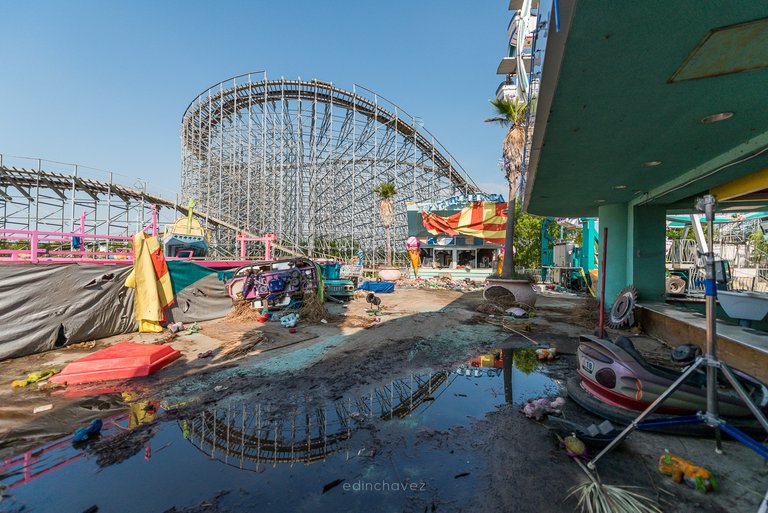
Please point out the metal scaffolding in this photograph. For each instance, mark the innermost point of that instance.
(55, 197)
(301, 159)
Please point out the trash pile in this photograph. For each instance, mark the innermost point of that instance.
(444, 281)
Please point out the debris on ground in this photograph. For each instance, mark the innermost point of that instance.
(34, 377)
(505, 304)
(193, 329)
(289, 321)
(82, 345)
(593, 496)
(176, 327)
(205, 354)
(312, 309)
(44, 407)
(510, 325)
(49, 386)
(445, 281)
(537, 409)
(244, 311)
(247, 344)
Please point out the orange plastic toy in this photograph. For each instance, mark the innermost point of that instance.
(684, 471)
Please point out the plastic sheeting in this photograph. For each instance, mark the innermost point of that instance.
(203, 296)
(383, 287)
(43, 307)
(47, 306)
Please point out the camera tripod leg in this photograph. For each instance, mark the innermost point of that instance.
(648, 411)
(743, 394)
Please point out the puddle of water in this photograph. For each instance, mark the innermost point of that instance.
(388, 446)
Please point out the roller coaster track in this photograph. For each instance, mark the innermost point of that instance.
(201, 117)
(27, 182)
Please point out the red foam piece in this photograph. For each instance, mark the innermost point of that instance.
(121, 361)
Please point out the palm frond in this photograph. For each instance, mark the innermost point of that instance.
(385, 190)
(509, 111)
(595, 497)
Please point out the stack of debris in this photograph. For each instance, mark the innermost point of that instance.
(444, 281)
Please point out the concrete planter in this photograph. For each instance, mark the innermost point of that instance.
(389, 273)
(522, 290)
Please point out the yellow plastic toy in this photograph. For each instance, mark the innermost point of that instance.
(684, 471)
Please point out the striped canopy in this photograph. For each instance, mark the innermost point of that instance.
(482, 219)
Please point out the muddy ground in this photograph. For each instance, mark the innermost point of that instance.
(498, 460)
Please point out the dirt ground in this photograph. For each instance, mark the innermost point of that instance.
(522, 467)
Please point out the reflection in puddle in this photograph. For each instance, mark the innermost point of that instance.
(186, 468)
(250, 435)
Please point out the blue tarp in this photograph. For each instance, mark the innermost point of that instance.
(378, 286)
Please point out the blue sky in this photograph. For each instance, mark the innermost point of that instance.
(105, 83)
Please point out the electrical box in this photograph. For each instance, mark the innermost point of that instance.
(564, 253)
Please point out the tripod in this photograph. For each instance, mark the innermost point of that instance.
(713, 365)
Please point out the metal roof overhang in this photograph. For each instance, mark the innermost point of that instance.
(627, 83)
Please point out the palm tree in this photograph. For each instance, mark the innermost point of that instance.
(386, 190)
(511, 113)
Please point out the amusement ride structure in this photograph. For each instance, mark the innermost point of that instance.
(301, 159)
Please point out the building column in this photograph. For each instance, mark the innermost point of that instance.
(615, 218)
(647, 264)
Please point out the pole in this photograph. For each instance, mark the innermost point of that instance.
(710, 290)
(602, 281)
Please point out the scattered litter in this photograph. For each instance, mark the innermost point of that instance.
(40, 409)
(34, 377)
(323, 321)
(206, 354)
(463, 474)
(332, 484)
(219, 388)
(47, 386)
(289, 321)
(537, 409)
(292, 330)
(445, 281)
(194, 329)
(517, 312)
(176, 327)
(683, 471)
(82, 345)
(248, 343)
(83, 434)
